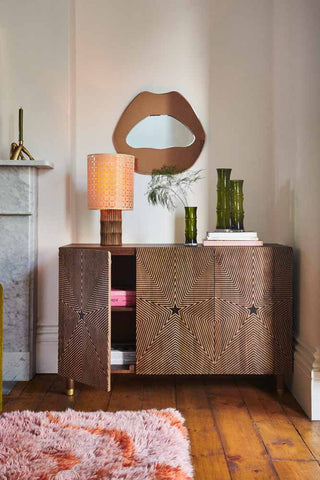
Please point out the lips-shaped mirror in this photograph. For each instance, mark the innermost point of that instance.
(146, 105)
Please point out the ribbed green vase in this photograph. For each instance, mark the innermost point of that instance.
(190, 225)
(236, 205)
(223, 199)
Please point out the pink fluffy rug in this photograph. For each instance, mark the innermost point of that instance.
(145, 445)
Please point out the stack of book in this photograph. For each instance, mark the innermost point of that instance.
(232, 239)
(123, 298)
(123, 354)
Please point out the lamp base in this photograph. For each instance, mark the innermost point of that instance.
(110, 227)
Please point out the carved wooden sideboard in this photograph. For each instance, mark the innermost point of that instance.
(199, 310)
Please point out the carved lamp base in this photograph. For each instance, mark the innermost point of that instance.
(110, 227)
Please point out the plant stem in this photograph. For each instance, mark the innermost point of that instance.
(175, 193)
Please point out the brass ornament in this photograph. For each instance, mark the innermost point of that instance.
(18, 150)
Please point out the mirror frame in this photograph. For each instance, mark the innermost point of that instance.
(146, 104)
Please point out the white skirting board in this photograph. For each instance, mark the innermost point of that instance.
(305, 381)
(47, 349)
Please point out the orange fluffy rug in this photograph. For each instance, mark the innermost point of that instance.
(144, 445)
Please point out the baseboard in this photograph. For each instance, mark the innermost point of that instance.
(305, 381)
(47, 349)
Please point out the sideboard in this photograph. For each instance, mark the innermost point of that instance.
(199, 310)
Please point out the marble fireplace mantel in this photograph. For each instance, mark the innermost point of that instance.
(18, 264)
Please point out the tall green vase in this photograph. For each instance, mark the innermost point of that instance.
(223, 199)
(190, 225)
(236, 205)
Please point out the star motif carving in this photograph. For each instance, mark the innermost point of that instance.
(175, 310)
(253, 309)
(81, 314)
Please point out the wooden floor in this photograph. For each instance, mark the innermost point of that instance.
(237, 426)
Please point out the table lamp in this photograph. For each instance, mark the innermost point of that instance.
(110, 190)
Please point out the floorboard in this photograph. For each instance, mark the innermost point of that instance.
(239, 428)
(263, 404)
(294, 470)
(283, 442)
(90, 399)
(207, 452)
(127, 393)
(309, 431)
(245, 451)
(54, 399)
(158, 392)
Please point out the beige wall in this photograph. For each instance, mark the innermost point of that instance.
(34, 73)
(219, 55)
(241, 105)
(297, 151)
(307, 191)
(122, 48)
(250, 68)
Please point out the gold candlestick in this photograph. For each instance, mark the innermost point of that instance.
(17, 151)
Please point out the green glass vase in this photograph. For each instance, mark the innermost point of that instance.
(223, 199)
(236, 205)
(190, 225)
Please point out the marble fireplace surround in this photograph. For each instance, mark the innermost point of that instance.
(18, 264)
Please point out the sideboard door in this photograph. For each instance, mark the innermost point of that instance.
(253, 310)
(175, 290)
(84, 316)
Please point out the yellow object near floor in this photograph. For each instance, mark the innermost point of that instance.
(1, 324)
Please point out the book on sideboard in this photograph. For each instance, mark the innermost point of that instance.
(123, 354)
(232, 243)
(123, 298)
(232, 235)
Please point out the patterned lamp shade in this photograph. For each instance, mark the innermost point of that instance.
(110, 181)
(110, 190)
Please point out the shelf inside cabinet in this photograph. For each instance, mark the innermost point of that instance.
(123, 309)
(123, 368)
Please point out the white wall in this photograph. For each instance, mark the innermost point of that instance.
(297, 176)
(122, 48)
(241, 105)
(297, 148)
(34, 73)
(250, 70)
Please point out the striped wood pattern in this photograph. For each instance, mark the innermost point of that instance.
(110, 227)
(253, 310)
(175, 292)
(84, 316)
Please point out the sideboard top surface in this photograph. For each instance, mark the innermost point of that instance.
(130, 248)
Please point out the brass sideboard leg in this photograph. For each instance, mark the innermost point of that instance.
(280, 384)
(70, 387)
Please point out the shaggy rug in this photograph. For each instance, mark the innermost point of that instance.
(145, 445)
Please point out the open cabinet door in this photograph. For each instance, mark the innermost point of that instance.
(84, 315)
